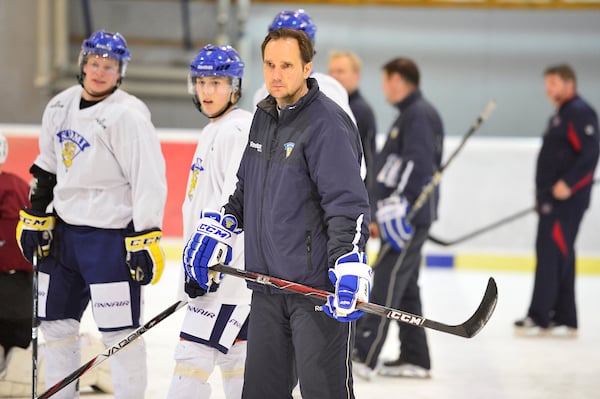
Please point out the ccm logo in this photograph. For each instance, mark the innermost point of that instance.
(214, 230)
(417, 321)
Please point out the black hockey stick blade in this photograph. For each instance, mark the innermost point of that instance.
(481, 230)
(75, 375)
(468, 329)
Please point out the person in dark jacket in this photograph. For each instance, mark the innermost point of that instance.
(304, 210)
(346, 67)
(407, 162)
(564, 174)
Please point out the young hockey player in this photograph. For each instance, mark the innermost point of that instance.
(215, 325)
(101, 166)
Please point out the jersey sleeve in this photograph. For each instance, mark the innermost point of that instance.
(139, 153)
(582, 135)
(417, 156)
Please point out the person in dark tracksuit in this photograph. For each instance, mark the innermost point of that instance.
(304, 210)
(564, 174)
(407, 162)
(345, 67)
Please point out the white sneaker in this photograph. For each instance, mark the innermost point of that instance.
(362, 371)
(405, 370)
(562, 331)
(528, 328)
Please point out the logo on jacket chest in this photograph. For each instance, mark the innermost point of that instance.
(394, 132)
(72, 144)
(288, 147)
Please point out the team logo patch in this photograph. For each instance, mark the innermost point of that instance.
(394, 133)
(589, 130)
(196, 169)
(288, 147)
(555, 121)
(72, 144)
(230, 222)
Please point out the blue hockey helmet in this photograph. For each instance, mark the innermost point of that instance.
(106, 45)
(217, 61)
(214, 60)
(298, 20)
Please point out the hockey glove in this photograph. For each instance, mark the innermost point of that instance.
(34, 233)
(351, 277)
(391, 216)
(193, 289)
(145, 258)
(210, 244)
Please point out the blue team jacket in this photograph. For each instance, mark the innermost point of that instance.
(569, 152)
(299, 197)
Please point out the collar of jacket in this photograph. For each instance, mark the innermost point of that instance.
(408, 100)
(269, 105)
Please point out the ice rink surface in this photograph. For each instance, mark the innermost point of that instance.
(493, 365)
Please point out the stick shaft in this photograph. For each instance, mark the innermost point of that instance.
(34, 327)
(467, 329)
(435, 180)
(112, 350)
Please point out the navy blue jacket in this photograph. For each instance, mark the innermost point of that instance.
(411, 155)
(365, 120)
(569, 152)
(299, 197)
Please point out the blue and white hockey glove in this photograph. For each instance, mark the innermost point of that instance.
(34, 233)
(352, 279)
(145, 257)
(210, 244)
(391, 216)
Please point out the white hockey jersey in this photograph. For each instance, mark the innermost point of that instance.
(107, 159)
(212, 179)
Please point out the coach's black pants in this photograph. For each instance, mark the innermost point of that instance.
(553, 297)
(291, 339)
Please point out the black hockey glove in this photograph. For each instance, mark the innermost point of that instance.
(193, 289)
(34, 233)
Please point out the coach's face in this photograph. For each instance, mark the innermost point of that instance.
(285, 73)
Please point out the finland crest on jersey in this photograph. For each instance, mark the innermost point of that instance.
(195, 170)
(72, 144)
(288, 148)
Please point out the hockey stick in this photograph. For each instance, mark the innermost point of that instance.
(435, 180)
(482, 230)
(34, 326)
(489, 227)
(112, 350)
(468, 329)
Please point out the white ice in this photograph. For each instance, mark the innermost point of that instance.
(493, 364)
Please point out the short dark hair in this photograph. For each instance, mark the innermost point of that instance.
(405, 67)
(304, 43)
(565, 71)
